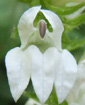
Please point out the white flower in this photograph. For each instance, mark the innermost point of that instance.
(77, 95)
(33, 102)
(41, 58)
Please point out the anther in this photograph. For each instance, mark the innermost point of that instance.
(42, 28)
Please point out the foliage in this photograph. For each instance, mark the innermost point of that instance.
(31, 2)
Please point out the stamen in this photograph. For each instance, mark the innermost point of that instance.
(42, 28)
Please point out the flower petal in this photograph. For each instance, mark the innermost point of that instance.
(57, 26)
(32, 102)
(18, 71)
(42, 75)
(78, 91)
(81, 72)
(65, 75)
(25, 26)
(81, 92)
(73, 104)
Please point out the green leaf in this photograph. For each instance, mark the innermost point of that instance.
(61, 3)
(78, 32)
(75, 21)
(14, 33)
(74, 39)
(31, 2)
(72, 44)
(63, 10)
(78, 53)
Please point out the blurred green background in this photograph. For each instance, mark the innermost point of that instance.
(10, 12)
